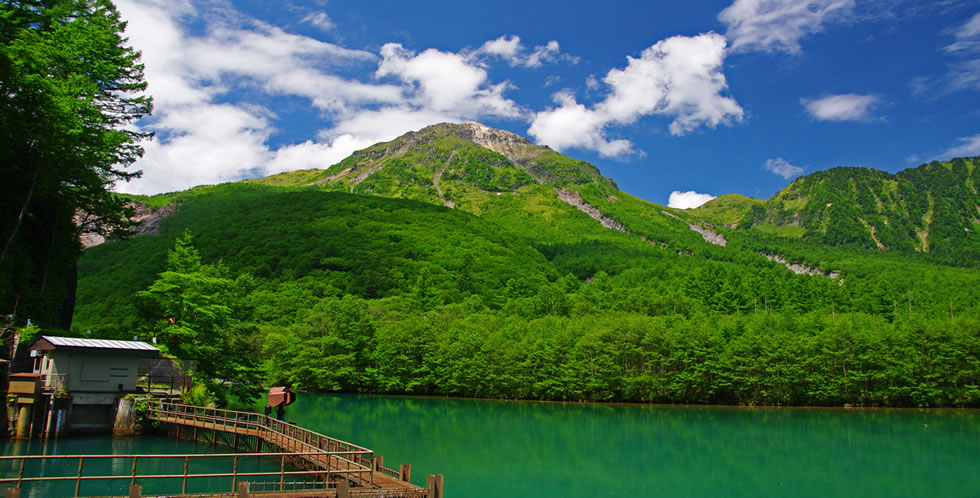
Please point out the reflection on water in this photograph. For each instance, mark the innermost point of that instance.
(496, 448)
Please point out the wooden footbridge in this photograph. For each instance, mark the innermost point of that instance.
(310, 464)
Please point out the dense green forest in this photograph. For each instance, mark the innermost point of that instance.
(534, 299)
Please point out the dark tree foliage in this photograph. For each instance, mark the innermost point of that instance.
(68, 87)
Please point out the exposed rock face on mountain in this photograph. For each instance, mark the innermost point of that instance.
(802, 269)
(575, 199)
(710, 236)
(147, 223)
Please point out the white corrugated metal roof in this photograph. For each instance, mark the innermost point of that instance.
(72, 342)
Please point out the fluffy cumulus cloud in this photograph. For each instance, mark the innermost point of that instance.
(778, 25)
(513, 51)
(845, 107)
(687, 200)
(783, 168)
(320, 20)
(571, 125)
(680, 77)
(213, 90)
(446, 81)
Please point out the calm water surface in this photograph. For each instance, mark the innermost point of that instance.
(496, 448)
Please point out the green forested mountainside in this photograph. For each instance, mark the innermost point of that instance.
(371, 294)
(933, 208)
(457, 268)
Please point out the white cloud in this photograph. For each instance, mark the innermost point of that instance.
(844, 107)
(679, 77)
(783, 168)
(319, 20)
(963, 67)
(592, 83)
(969, 146)
(542, 53)
(967, 36)
(507, 47)
(212, 93)
(772, 25)
(512, 50)
(573, 125)
(310, 154)
(446, 82)
(387, 123)
(687, 200)
(206, 143)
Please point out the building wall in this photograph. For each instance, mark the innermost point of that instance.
(93, 371)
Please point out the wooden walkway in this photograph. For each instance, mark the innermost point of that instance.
(340, 468)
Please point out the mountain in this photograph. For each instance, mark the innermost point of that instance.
(462, 260)
(933, 208)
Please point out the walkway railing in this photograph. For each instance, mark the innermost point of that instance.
(282, 434)
(282, 479)
(324, 463)
(169, 384)
(54, 382)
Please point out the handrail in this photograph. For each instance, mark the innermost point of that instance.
(236, 416)
(282, 473)
(171, 382)
(331, 458)
(341, 453)
(54, 381)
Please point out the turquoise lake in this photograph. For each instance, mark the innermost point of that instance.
(501, 448)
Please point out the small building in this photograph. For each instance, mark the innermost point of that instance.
(91, 375)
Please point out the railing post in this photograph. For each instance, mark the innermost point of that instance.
(434, 486)
(343, 489)
(78, 481)
(234, 472)
(406, 472)
(379, 461)
(132, 481)
(243, 490)
(135, 490)
(12, 492)
(282, 473)
(183, 486)
(20, 473)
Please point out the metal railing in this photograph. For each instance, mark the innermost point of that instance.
(54, 382)
(327, 459)
(318, 479)
(170, 384)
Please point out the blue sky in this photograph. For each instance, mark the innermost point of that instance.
(669, 99)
